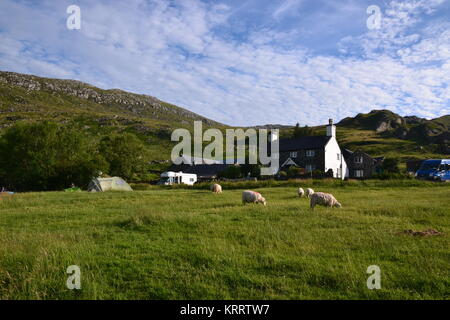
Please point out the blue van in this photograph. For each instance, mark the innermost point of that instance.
(434, 170)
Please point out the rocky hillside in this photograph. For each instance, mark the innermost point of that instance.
(19, 93)
(390, 124)
(99, 112)
(94, 110)
(385, 133)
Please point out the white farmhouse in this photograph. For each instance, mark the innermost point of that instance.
(314, 153)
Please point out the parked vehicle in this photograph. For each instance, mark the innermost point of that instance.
(170, 177)
(434, 169)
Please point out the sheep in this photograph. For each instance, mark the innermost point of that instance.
(324, 199)
(309, 192)
(216, 188)
(252, 197)
(301, 192)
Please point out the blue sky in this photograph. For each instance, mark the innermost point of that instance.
(244, 62)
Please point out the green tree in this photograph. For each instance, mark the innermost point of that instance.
(302, 131)
(125, 153)
(391, 165)
(46, 156)
(253, 169)
(231, 172)
(294, 172)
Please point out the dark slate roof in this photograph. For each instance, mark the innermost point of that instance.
(312, 142)
(347, 154)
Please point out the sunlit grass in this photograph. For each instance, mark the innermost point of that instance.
(191, 244)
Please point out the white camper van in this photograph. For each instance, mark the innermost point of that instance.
(170, 177)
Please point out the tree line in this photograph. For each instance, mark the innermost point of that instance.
(47, 156)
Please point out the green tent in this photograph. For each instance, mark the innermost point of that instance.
(108, 184)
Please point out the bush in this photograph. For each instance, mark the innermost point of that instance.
(125, 154)
(231, 172)
(390, 165)
(313, 183)
(282, 175)
(392, 176)
(252, 170)
(45, 156)
(295, 172)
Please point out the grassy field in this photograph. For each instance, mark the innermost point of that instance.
(191, 244)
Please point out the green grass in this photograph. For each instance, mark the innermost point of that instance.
(191, 244)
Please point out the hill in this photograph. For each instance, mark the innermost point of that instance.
(385, 133)
(405, 137)
(99, 112)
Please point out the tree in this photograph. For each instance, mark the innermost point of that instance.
(302, 131)
(252, 170)
(294, 172)
(231, 172)
(391, 165)
(46, 156)
(125, 154)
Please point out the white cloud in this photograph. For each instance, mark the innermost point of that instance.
(286, 7)
(172, 50)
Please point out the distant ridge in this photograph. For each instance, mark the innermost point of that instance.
(99, 112)
(86, 95)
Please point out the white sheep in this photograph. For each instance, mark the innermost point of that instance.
(216, 188)
(252, 197)
(324, 199)
(309, 192)
(301, 192)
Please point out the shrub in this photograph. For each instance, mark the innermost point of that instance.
(252, 170)
(46, 156)
(295, 172)
(392, 176)
(231, 172)
(390, 165)
(282, 175)
(125, 154)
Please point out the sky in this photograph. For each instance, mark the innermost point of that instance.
(244, 62)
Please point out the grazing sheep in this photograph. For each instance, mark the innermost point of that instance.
(216, 188)
(324, 199)
(309, 192)
(301, 192)
(252, 197)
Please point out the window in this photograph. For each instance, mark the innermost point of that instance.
(358, 159)
(359, 173)
(191, 179)
(338, 156)
(310, 167)
(310, 153)
(293, 154)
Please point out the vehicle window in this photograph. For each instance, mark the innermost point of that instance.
(429, 166)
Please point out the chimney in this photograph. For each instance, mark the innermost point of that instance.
(331, 129)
